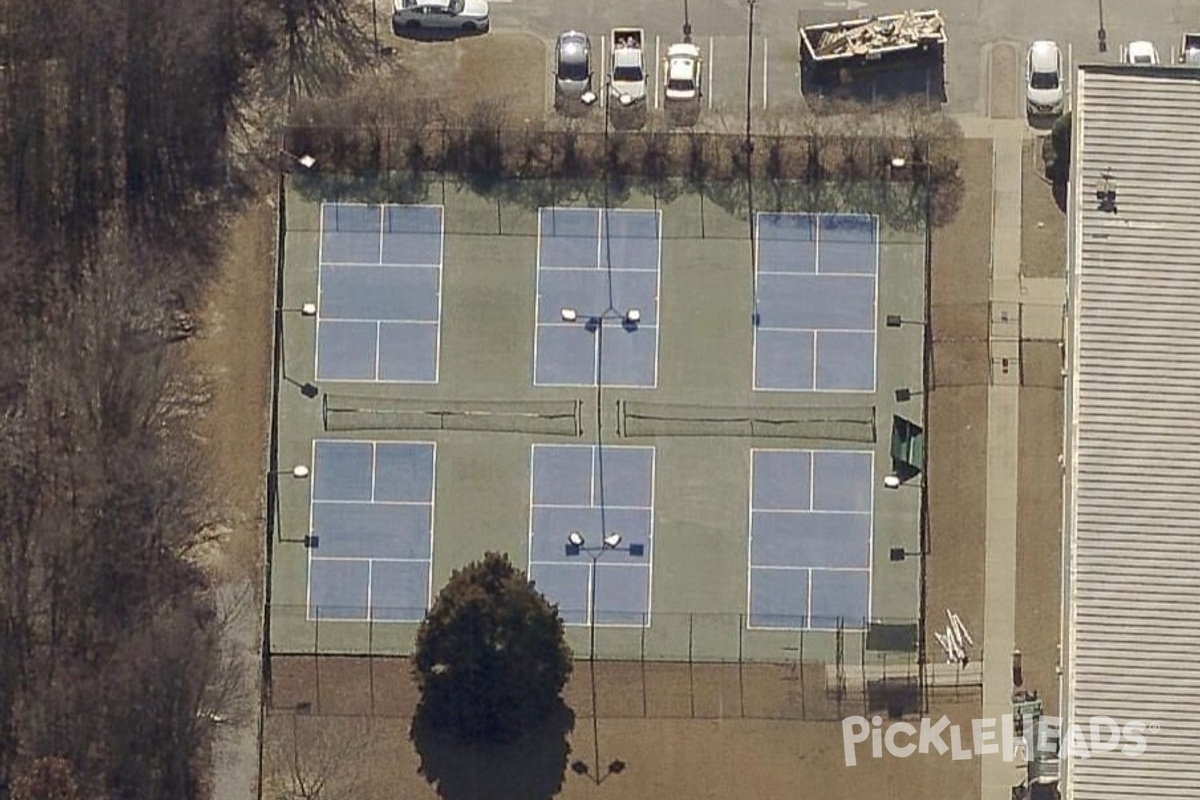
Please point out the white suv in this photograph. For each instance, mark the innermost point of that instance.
(453, 15)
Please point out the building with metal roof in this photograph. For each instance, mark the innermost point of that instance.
(1131, 640)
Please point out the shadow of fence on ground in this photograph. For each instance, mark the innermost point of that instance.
(374, 686)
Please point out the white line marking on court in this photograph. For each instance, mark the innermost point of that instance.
(750, 539)
(432, 513)
(812, 478)
(382, 560)
(808, 601)
(871, 544)
(766, 43)
(710, 72)
(371, 502)
(650, 543)
(382, 224)
(773, 329)
(593, 269)
(437, 341)
(370, 572)
(378, 334)
(537, 294)
(609, 506)
(821, 511)
(592, 478)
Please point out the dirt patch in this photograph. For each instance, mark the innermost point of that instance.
(1043, 224)
(961, 253)
(1041, 364)
(1039, 523)
(507, 68)
(1002, 82)
(957, 507)
(1039, 541)
(638, 758)
(233, 353)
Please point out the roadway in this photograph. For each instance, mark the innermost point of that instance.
(720, 28)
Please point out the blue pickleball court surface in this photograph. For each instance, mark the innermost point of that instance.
(602, 264)
(379, 293)
(371, 530)
(596, 491)
(816, 291)
(811, 531)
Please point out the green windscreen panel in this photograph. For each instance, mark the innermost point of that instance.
(908, 445)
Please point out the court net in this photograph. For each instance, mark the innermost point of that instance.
(837, 424)
(546, 417)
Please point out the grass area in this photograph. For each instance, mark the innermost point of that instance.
(1043, 223)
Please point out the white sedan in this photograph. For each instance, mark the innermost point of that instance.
(1142, 53)
(411, 16)
(681, 72)
(1044, 79)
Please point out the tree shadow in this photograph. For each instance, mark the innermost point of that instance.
(529, 768)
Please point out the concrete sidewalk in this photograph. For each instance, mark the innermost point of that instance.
(998, 774)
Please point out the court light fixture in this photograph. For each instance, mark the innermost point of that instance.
(899, 162)
(576, 539)
(305, 160)
(612, 540)
(892, 482)
(299, 471)
(305, 310)
(569, 315)
(899, 554)
(904, 394)
(633, 316)
(895, 321)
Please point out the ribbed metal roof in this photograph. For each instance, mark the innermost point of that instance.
(1133, 517)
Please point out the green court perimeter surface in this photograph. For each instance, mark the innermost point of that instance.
(701, 491)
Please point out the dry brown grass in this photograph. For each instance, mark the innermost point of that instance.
(1043, 225)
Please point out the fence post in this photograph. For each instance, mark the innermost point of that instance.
(317, 658)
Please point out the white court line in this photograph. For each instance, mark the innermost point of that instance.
(370, 573)
(432, 514)
(766, 43)
(782, 568)
(750, 540)
(378, 336)
(320, 288)
(437, 340)
(710, 72)
(778, 329)
(382, 221)
(657, 299)
(650, 542)
(812, 478)
(371, 502)
(537, 300)
(382, 560)
(374, 467)
(381, 266)
(808, 617)
(592, 479)
(593, 269)
(820, 511)
(308, 550)
(871, 544)
(609, 506)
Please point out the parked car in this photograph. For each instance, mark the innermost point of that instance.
(440, 15)
(681, 72)
(1044, 79)
(1142, 53)
(573, 66)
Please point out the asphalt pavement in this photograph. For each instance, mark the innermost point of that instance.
(721, 28)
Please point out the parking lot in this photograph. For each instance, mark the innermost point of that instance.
(720, 28)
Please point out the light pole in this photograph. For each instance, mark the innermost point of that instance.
(577, 545)
(594, 323)
(308, 310)
(299, 472)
